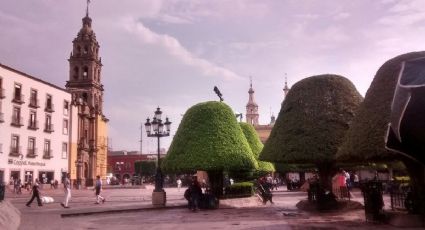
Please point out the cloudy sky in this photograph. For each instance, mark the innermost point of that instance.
(171, 53)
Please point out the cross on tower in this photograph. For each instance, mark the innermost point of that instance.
(87, 9)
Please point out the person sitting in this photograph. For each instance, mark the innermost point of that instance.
(194, 194)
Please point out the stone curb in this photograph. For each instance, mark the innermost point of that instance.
(132, 209)
(121, 210)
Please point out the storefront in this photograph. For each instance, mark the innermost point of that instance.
(29, 170)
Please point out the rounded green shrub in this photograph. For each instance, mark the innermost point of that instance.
(209, 138)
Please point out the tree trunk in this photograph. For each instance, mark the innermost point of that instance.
(326, 171)
(326, 200)
(216, 183)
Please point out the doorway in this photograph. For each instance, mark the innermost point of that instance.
(45, 177)
(14, 175)
(29, 175)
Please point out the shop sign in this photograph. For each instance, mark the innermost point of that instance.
(25, 162)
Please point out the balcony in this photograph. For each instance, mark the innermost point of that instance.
(48, 128)
(15, 151)
(32, 153)
(34, 103)
(32, 125)
(19, 99)
(47, 154)
(2, 93)
(1, 117)
(17, 121)
(49, 108)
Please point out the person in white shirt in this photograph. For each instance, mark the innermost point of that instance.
(179, 184)
(67, 189)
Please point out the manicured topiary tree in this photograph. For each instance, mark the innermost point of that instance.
(210, 139)
(365, 141)
(312, 123)
(256, 146)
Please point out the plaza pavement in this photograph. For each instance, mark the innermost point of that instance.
(131, 208)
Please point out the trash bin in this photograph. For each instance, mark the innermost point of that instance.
(2, 191)
(373, 201)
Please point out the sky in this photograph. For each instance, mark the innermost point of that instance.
(171, 53)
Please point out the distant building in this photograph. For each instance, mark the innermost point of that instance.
(252, 115)
(121, 163)
(251, 108)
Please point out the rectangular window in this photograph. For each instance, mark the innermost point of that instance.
(14, 146)
(64, 150)
(33, 99)
(31, 146)
(47, 150)
(48, 124)
(32, 123)
(65, 108)
(1, 113)
(17, 96)
(49, 103)
(2, 93)
(65, 126)
(16, 116)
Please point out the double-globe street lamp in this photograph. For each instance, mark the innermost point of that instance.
(156, 129)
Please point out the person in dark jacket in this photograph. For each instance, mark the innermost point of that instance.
(35, 194)
(195, 193)
(265, 190)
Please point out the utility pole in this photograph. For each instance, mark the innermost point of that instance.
(141, 137)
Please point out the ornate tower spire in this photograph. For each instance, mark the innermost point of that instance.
(286, 88)
(85, 67)
(251, 107)
(87, 9)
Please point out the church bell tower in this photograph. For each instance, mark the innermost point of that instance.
(86, 89)
(251, 108)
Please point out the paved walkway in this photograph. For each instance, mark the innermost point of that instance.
(132, 209)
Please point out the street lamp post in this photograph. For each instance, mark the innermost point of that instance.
(156, 129)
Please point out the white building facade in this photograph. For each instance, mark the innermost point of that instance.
(36, 128)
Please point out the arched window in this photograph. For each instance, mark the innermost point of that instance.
(76, 72)
(78, 50)
(98, 75)
(86, 49)
(85, 72)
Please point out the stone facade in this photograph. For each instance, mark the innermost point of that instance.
(89, 156)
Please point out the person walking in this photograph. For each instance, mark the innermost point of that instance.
(35, 194)
(98, 188)
(179, 184)
(67, 189)
(18, 186)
